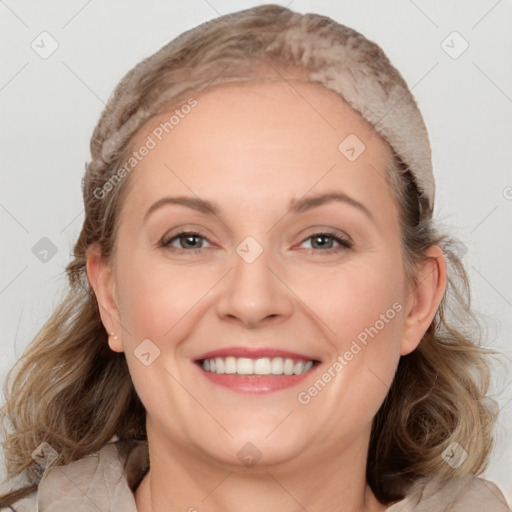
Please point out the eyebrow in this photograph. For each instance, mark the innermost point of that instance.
(307, 203)
(296, 205)
(194, 203)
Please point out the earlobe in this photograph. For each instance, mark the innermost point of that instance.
(101, 279)
(115, 343)
(425, 298)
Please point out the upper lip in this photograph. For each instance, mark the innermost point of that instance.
(254, 353)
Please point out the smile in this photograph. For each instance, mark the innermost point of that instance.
(257, 366)
(256, 370)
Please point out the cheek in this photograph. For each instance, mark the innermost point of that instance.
(360, 300)
(153, 296)
(361, 308)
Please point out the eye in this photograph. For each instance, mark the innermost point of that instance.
(324, 242)
(186, 240)
(190, 241)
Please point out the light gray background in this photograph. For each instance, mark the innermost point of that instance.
(50, 107)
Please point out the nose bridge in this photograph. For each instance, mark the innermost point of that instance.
(253, 294)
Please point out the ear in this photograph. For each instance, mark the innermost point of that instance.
(425, 297)
(101, 278)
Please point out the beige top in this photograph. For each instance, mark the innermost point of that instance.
(98, 483)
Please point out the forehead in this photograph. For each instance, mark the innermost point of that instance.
(279, 135)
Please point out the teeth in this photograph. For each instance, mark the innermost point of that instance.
(260, 366)
(288, 366)
(298, 368)
(276, 366)
(219, 365)
(244, 366)
(230, 365)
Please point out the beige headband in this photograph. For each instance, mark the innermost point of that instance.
(360, 72)
(335, 56)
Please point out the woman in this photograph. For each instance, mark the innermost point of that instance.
(259, 311)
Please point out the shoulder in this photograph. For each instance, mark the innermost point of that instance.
(467, 494)
(27, 504)
(100, 479)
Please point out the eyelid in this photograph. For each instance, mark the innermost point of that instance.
(326, 230)
(189, 228)
(166, 240)
(343, 240)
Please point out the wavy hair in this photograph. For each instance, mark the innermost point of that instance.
(70, 390)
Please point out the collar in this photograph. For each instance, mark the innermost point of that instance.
(105, 480)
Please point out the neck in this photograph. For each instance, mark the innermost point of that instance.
(180, 480)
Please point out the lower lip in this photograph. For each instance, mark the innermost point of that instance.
(256, 383)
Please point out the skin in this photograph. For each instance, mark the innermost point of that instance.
(253, 149)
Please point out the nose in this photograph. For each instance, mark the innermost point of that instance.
(254, 294)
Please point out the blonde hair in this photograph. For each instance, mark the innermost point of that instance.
(71, 391)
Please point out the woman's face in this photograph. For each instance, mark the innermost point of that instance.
(296, 257)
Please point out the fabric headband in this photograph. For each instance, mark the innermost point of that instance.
(336, 56)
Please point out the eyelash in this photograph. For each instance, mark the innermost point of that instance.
(344, 243)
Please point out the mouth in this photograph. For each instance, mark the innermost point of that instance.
(248, 370)
(261, 366)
